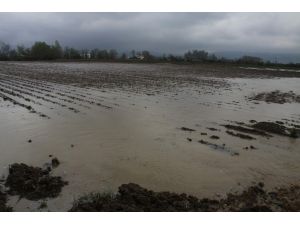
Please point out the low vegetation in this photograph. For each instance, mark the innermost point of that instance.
(42, 51)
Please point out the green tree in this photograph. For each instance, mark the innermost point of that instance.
(41, 51)
(23, 53)
(71, 53)
(112, 54)
(4, 51)
(103, 54)
(147, 56)
(196, 56)
(250, 60)
(124, 56)
(57, 50)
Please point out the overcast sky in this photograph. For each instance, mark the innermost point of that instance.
(157, 32)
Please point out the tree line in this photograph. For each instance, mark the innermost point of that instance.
(42, 51)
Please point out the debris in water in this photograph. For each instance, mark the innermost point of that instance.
(55, 162)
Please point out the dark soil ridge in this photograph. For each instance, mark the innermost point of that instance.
(246, 130)
(25, 90)
(187, 129)
(28, 107)
(36, 89)
(276, 128)
(33, 183)
(276, 97)
(136, 78)
(263, 128)
(37, 84)
(240, 135)
(213, 146)
(134, 198)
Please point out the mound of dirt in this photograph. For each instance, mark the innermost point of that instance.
(3, 199)
(132, 197)
(276, 97)
(33, 183)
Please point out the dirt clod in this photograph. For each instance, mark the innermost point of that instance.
(33, 183)
(55, 162)
(212, 129)
(187, 129)
(3, 206)
(214, 137)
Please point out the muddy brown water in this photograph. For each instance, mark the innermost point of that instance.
(114, 136)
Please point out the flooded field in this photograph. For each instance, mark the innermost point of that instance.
(200, 130)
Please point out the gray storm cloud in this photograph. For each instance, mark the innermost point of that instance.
(158, 32)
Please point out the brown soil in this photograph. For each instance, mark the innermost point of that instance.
(132, 197)
(33, 183)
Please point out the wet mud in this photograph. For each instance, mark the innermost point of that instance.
(277, 96)
(33, 183)
(276, 128)
(263, 128)
(246, 130)
(148, 124)
(134, 198)
(3, 200)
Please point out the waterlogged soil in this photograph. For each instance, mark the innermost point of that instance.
(276, 97)
(181, 129)
(134, 198)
